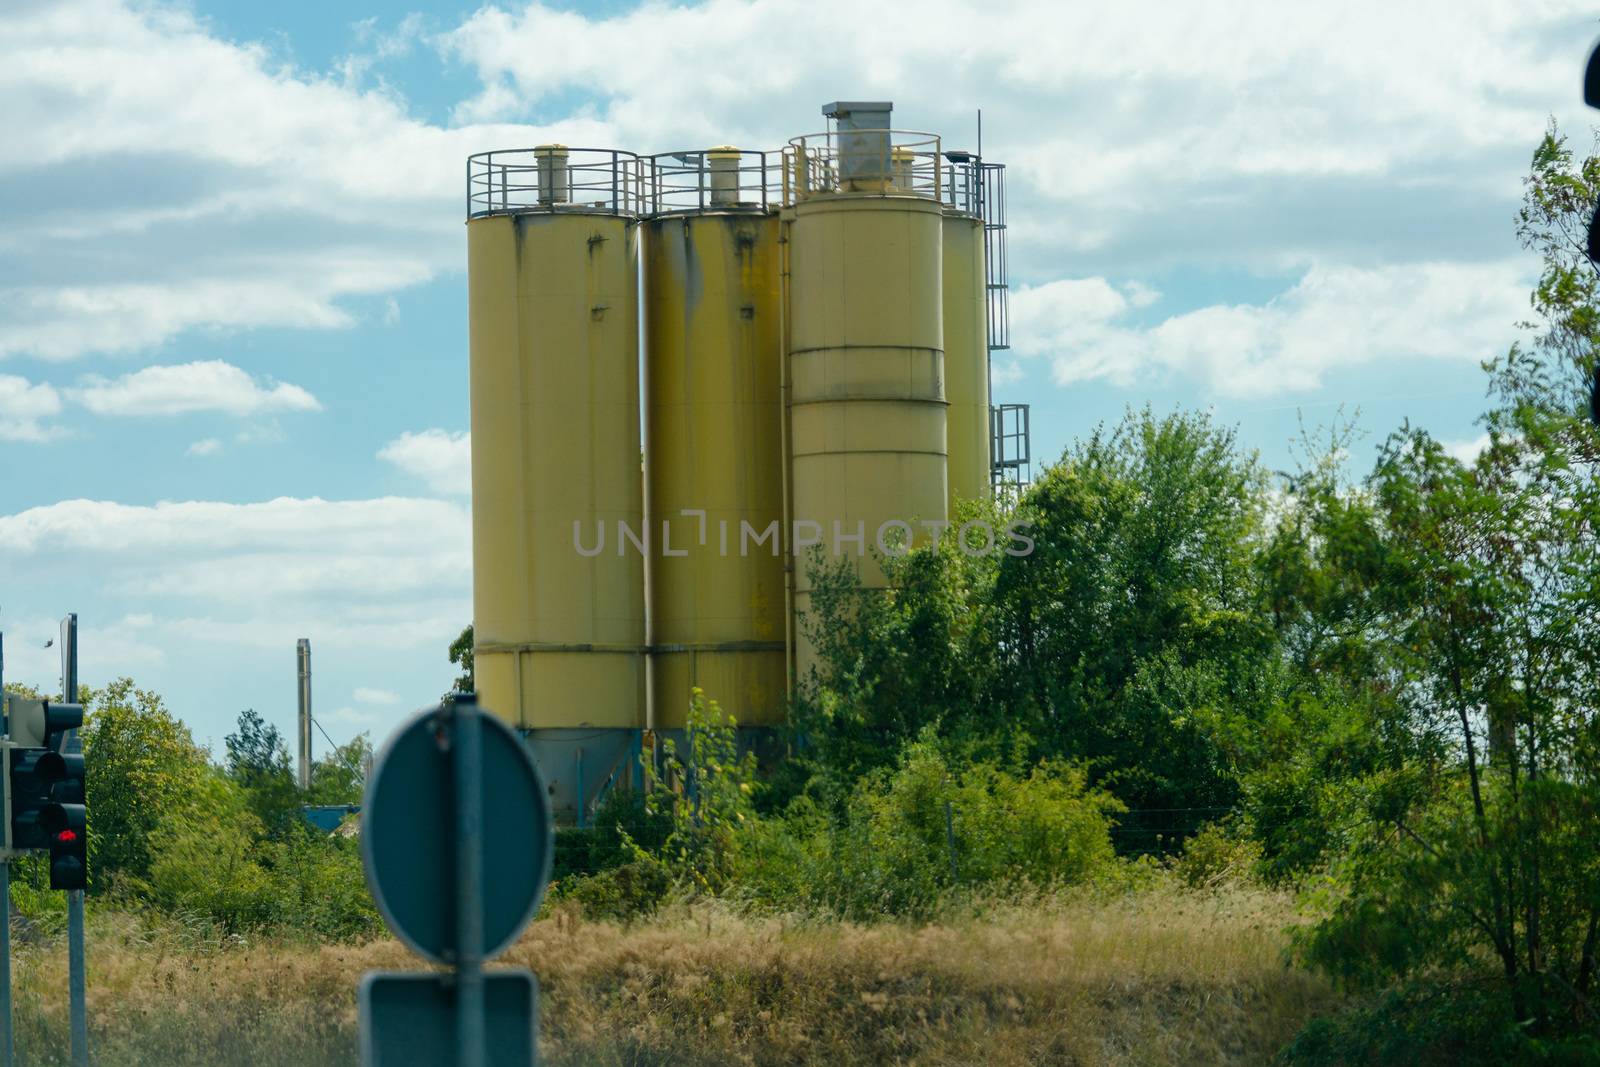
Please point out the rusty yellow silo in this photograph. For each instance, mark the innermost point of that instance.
(715, 455)
(966, 356)
(558, 602)
(865, 346)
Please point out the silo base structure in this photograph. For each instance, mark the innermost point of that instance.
(559, 627)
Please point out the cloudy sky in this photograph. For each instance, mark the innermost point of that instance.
(233, 395)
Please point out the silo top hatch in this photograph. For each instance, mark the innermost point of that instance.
(859, 114)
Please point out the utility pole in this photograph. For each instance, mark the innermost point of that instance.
(303, 649)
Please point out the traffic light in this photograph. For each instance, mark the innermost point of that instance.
(66, 823)
(44, 789)
(30, 775)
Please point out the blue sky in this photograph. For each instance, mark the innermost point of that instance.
(233, 394)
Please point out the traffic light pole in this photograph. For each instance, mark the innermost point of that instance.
(77, 992)
(7, 1047)
(80, 1015)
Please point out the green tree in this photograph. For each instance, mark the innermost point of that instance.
(256, 749)
(340, 777)
(461, 655)
(205, 857)
(1134, 627)
(141, 764)
(892, 663)
(258, 760)
(1487, 613)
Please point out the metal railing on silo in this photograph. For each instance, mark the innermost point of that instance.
(979, 188)
(992, 209)
(713, 179)
(889, 162)
(555, 178)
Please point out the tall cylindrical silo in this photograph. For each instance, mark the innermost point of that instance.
(865, 352)
(712, 373)
(558, 602)
(966, 356)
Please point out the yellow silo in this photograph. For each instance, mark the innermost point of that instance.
(966, 356)
(865, 350)
(715, 456)
(558, 602)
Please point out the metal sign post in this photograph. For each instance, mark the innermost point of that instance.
(446, 784)
(466, 737)
(77, 981)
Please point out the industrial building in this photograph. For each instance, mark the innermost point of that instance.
(689, 368)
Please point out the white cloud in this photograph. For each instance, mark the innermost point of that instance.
(32, 658)
(383, 697)
(351, 716)
(1333, 318)
(1219, 130)
(24, 409)
(1466, 452)
(207, 385)
(1006, 372)
(162, 179)
(195, 594)
(443, 460)
(206, 446)
(283, 552)
(1219, 134)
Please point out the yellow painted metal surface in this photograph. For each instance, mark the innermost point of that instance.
(966, 357)
(553, 307)
(713, 363)
(867, 412)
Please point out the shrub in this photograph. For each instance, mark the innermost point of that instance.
(320, 885)
(930, 827)
(203, 859)
(625, 892)
(706, 796)
(1216, 856)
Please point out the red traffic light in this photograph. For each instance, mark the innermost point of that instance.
(67, 837)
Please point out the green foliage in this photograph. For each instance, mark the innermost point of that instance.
(220, 846)
(928, 827)
(258, 760)
(706, 793)
(340, 777)
(624, 892)
(141, 764)
(1467, 635)
(1216, 855)
(621, 826)
(205, 860)
(257, 749)
(320, 885)
(1433, 1024)
(1131, 638)
(461, 655)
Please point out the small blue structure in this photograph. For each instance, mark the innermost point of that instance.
(327, 817)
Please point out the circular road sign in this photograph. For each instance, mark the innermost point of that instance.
(408, 835)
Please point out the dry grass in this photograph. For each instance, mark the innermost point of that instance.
(1159, 978)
